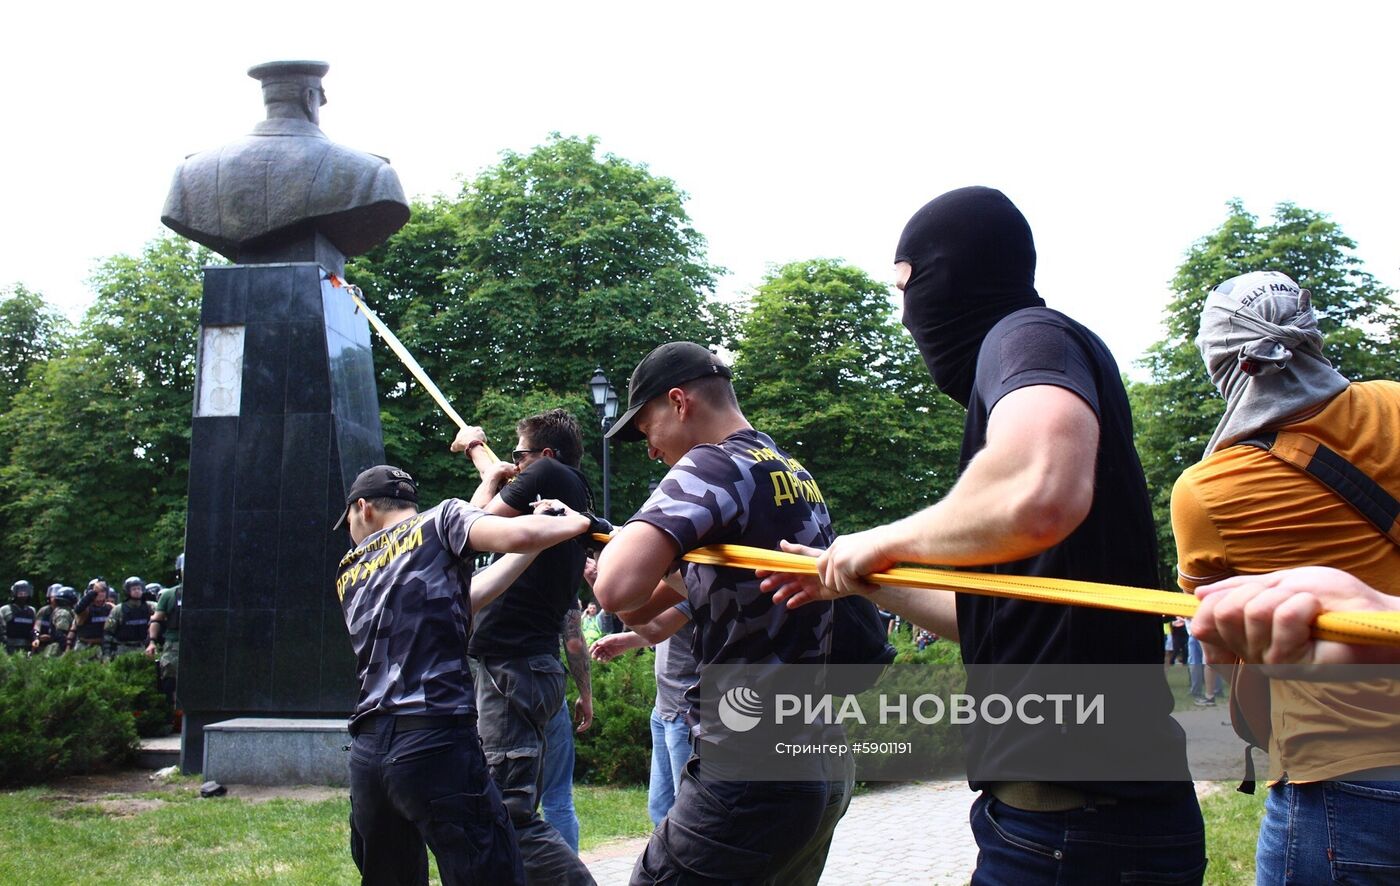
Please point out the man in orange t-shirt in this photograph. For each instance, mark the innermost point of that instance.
(1242, 511)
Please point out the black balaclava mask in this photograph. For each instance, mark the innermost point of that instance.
(974, 263)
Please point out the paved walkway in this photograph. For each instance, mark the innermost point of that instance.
(912, 833)
(918, 833)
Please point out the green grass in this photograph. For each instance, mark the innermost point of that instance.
(1232, 828)
(606, 814)
(183, 840)
(186, 840)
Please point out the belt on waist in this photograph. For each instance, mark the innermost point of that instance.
(1044, 796)
(409, 722)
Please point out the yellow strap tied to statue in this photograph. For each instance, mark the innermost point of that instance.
(405, 357)
(1371, 628)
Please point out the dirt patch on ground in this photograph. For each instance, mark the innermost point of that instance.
(125, 806)
(112, 791)
(256, 793)
(103, 784)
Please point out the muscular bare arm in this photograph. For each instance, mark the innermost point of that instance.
(530, 533)
(632, 565)
(1027, 490)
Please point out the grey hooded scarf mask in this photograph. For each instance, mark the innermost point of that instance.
(1262, 347)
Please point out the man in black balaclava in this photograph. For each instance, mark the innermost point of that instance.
(1049, 485)
(966, 260)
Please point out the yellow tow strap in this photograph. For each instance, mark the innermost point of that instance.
(404, 356)
(1371, 628)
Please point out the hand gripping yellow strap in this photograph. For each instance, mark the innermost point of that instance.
(1372, 628)
(356, 295)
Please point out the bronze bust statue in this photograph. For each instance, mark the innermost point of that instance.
(285, 191)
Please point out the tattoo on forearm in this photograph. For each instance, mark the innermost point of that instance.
(576, 650)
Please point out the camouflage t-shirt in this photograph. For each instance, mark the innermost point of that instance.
(405, 592)
(745, 491)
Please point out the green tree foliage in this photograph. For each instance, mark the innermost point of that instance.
(30, 332)
(1177, 410)
(97, 442)
(825, 368)
(543, 267)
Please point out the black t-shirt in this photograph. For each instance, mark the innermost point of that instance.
(1115, 544)
(525, 619)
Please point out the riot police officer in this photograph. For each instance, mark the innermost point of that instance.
(17, 618)
(126, 629)
(90, 627)
(164, 634)
(43, 622)
(61, 617)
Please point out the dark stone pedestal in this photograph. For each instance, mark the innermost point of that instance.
(274, 445)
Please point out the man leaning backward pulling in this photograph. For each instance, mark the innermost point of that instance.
(515, 644)
(721, 489)
(417, 772)
(1049, 485)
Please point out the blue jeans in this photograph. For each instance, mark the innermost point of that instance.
(557, 791)
(670, 748)
(1156, 840)
(1196, 666)
(1330, 832)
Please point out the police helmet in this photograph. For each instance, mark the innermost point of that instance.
(21, 589)
(153, 590)
(66, 596)
(53, 588)
(133, 581)
(180, 566)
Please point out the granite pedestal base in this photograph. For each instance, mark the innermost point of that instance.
(277, 751)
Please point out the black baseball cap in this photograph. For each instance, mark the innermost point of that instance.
(380, 481)
(673, 363)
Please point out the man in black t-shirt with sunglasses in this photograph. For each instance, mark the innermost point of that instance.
(515, 644)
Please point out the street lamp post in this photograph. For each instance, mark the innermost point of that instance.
(605, 404)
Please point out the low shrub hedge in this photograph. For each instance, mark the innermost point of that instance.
(617, 750)
(73, 714)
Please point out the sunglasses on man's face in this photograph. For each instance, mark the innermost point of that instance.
(518, 455)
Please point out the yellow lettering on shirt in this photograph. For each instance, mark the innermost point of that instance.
(393, 544)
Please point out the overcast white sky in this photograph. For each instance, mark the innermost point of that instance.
(798, 129)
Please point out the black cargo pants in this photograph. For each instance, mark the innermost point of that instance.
(515, 699)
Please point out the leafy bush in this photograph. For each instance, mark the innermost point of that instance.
(617, 750)
(940, 651)
(937, 747)
(135, 676)
(73, 714)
